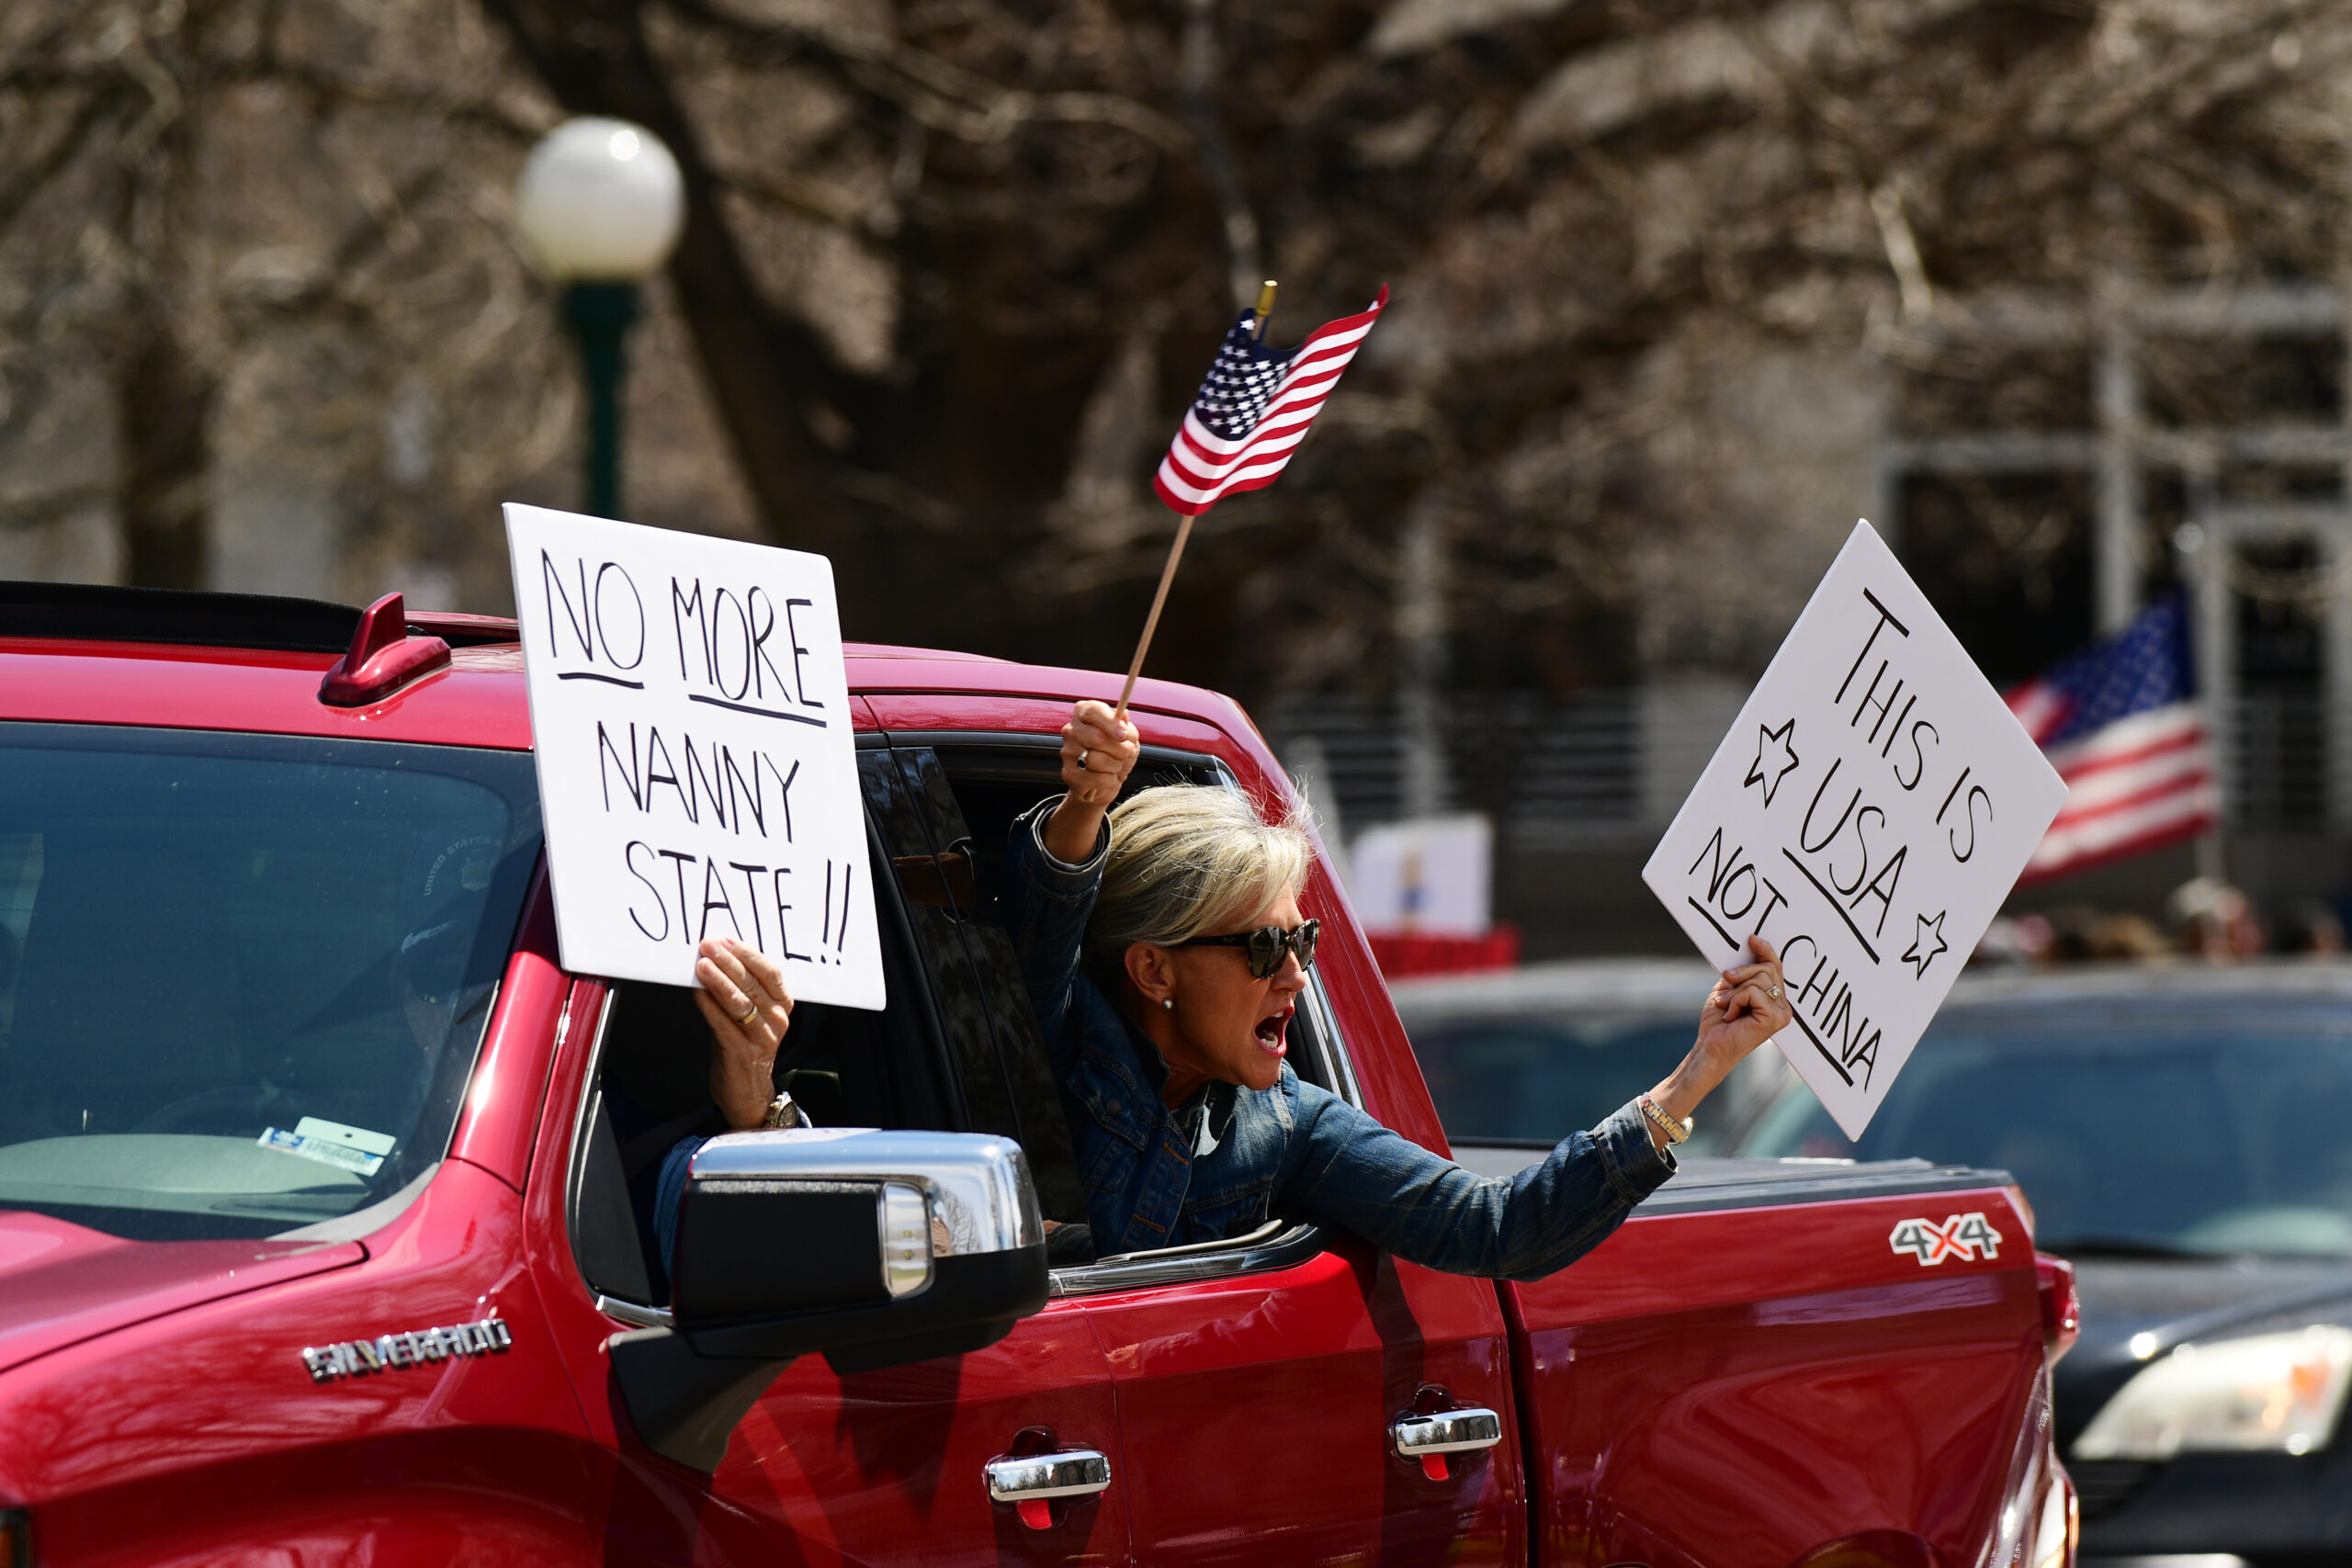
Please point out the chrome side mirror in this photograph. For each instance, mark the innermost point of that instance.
(923, 1197)
(874, 1247)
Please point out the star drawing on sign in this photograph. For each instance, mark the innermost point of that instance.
(1776, 758)
(1920, 953)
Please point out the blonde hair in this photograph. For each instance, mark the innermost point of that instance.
(1186, 859)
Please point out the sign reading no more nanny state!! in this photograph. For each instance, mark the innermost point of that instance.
(690, 713)
(1867, 814)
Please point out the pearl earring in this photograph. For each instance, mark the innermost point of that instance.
(1168, 1002)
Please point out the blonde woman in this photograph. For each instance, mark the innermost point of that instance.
(1165, 951)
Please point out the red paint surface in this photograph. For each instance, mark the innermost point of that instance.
(61, 1283)
(1254, 1413)
(500, 1120)
(1728, 1388)
(885, 1467)
(1780, 1377)
(478, 701)
(199, 1436)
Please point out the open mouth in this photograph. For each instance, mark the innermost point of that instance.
(1271, 1029)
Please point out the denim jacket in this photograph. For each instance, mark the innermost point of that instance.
(1155, 1177)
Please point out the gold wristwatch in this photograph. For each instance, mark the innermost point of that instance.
(784, 1111)
(1675, 1130)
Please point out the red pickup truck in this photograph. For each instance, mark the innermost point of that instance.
(318, 1246)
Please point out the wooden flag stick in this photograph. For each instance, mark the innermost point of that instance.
(1176, 550)
(1151, 622)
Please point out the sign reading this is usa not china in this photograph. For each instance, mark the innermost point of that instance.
(1867, 814)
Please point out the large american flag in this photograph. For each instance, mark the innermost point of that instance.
(1253, 410)
(2120, 724)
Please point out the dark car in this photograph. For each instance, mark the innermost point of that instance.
(2184, 1135)
(1517, 1059)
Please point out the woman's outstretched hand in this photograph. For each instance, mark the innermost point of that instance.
(1748, 1006)
(742, 997)
(1098, 754)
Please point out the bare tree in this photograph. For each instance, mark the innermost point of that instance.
(257, 224)
(952, 266)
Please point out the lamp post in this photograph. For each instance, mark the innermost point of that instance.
(600, 203)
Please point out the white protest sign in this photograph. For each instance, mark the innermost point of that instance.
(690, 716)
(1427, 875)
(1870, 810)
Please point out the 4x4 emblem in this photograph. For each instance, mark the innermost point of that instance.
(1963, 1236)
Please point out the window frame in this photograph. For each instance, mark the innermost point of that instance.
(1273, 1246)
(642, 1314)
(921, 995)
(1266, 1249)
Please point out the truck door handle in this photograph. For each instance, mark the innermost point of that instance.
(1031, 1483)
(1429, 1437)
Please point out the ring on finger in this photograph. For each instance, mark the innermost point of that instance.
(750, 1012)
(1082, 754)
(1774, 993)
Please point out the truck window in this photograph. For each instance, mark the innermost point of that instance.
(907, 1065)
(1006, 1084)
(958, 1048)
(972, 787)
(244, 978)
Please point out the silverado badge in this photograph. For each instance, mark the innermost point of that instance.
(353, 1357)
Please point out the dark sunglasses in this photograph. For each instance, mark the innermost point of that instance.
(1267, 944)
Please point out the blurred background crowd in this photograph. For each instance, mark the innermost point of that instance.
(2206, 919)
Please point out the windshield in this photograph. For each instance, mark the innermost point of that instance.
(243, 979)
(2170, 1136)
(1536, 1079)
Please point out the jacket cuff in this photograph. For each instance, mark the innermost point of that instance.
(1086, 871)
(1636, 1167)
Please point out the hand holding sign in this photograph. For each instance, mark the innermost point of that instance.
(690, 717)
(1869, 811)
(746, 1002)
(1748, 1006)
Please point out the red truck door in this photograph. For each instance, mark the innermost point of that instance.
(885, 1466)
(831, 1466)
(894, 1466)
(1259, 1387)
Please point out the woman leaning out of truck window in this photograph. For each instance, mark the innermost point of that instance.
(1164, 951)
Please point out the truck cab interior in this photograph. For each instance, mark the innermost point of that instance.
(957, 1049)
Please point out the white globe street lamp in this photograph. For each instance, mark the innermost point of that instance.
(600, 205)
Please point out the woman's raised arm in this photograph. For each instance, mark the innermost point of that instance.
(1098, 754)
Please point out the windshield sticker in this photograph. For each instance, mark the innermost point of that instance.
(355, 1357)
(354, 1149)
(1965, 1236)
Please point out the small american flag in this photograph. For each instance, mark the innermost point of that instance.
(1253, 410)
(2120, 723)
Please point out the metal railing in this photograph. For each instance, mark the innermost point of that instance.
(2278, 753)
(1587, 769)
(1607, 769)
